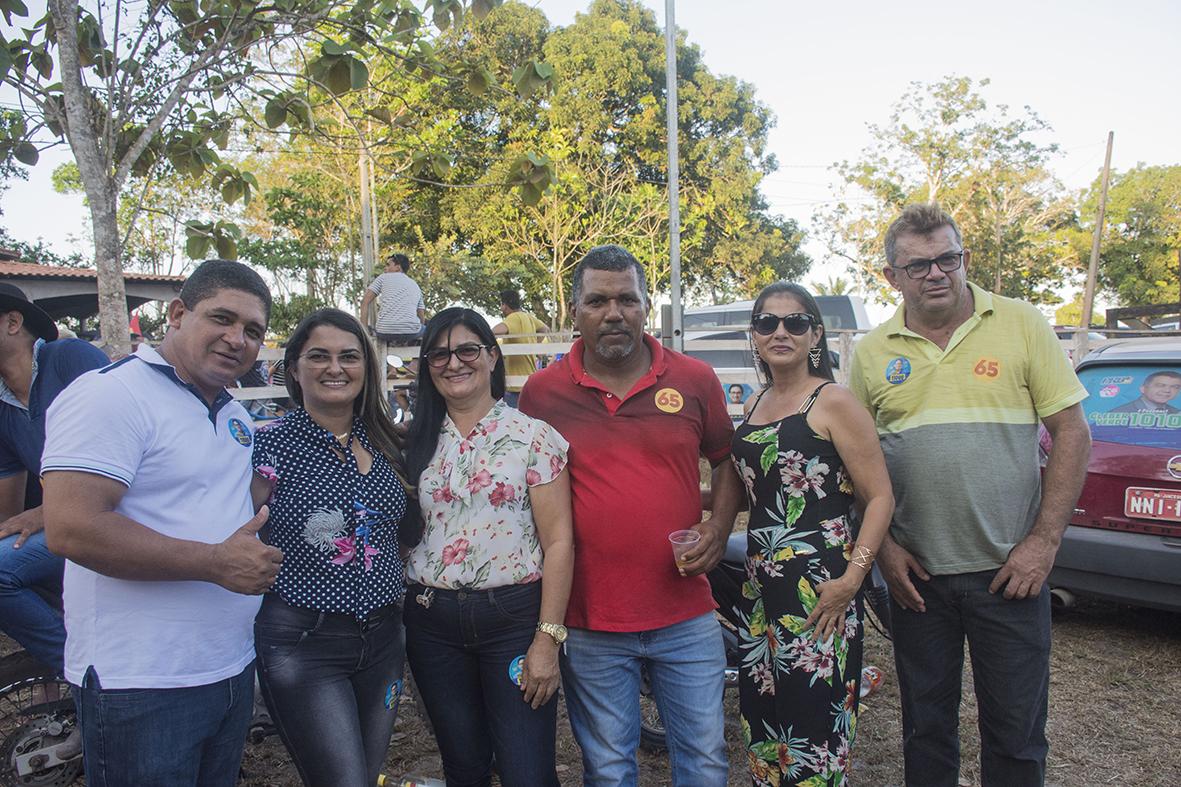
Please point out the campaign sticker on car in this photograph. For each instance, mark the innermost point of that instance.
(1147, 503)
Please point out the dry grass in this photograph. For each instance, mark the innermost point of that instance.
(1114, 716)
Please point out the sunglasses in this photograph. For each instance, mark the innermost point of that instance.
(439, 357)
(796, 324)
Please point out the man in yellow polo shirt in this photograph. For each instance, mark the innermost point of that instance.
(957, 381)
(516, 322)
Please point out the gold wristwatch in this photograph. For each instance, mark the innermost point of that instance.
(555, 630)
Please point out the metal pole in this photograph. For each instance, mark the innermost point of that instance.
(1092, 270)
(674, 208)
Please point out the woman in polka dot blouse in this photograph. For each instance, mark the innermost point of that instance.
(483, 618)
(329, 634)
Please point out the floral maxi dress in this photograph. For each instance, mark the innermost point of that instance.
(798, 697)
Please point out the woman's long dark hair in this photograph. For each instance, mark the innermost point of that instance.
(371, 406)
(811, 307)
(430, 407)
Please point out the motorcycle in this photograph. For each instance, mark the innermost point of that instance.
(725, 582)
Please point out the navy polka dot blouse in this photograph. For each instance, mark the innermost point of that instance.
(338, 529)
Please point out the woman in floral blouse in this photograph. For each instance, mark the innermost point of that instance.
(488, 583)
(329, 634)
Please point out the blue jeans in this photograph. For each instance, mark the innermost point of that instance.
(24, 613)
(1009, 644)
(165, 737)
(460, 649)
(601, 677)
(332, 684)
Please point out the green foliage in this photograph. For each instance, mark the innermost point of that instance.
(1138, 261)
(985, 166)
(590, 161)
(1070, 313)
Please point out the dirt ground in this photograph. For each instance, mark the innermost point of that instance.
(1115, 715)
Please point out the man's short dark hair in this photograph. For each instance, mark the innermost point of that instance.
(1162, 373)
(918, 219)
(511, 299)
(213, 275)
(399, 259)
(608, 258)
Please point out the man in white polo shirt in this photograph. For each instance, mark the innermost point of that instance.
(147, 494)
(401, 312)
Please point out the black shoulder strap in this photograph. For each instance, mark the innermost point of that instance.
(749, 412)
(811, 400)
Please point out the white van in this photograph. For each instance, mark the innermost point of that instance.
(731, 321)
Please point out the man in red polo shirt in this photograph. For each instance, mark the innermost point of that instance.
(638, 417)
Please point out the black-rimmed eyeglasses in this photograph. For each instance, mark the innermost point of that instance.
(439, 357)
(797, 324)
(920, 268)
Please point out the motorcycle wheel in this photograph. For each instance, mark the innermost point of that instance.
(36, 709)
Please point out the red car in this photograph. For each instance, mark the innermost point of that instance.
(1124, 540)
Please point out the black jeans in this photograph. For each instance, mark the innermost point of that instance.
(332, 684)
(460, 649)
(1009, 644)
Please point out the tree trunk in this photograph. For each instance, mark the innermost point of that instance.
(98, 181)
(112, 290)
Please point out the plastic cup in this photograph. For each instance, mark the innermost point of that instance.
(683, 541)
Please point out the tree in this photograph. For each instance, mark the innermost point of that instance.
(603, 130)
(835, 285)
(986, 166)
(1138, 260)
(1070, 313)
(138, 88)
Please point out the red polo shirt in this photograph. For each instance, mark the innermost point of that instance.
(634, 476)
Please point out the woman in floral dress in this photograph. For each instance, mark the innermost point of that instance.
(804, 446)
(489, 581)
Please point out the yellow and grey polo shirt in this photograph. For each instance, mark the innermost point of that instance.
(959, 428)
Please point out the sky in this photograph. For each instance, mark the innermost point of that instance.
(827, 70)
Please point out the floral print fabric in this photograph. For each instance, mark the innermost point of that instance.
(798, 698)
(479, 530)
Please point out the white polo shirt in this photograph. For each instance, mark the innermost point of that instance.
(187, 470)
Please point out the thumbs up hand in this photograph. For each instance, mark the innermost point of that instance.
(244, 564)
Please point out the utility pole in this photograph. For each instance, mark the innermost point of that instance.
(368, 250)
(674, 206)
(1092, 269)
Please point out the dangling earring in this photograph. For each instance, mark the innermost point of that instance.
(814, 357)
(754, 354)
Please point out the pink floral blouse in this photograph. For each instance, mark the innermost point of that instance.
(475, 502)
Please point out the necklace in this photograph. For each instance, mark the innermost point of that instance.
(343, 439)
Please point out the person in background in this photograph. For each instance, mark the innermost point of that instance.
(147, 495)
(401, 312)
(803, 448)
(329, 634)
(516, 322)
(35, 367)
(639, 419)
(957, 382)
(490, 579)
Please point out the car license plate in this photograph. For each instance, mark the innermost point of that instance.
(1148, 503)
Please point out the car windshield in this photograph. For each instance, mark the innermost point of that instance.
(1134, 404)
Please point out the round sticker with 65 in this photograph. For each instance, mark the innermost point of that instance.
(669, 400)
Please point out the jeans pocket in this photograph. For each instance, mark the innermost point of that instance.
(517, 603)
(276, 642)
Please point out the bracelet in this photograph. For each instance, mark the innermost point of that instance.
(862, 557)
